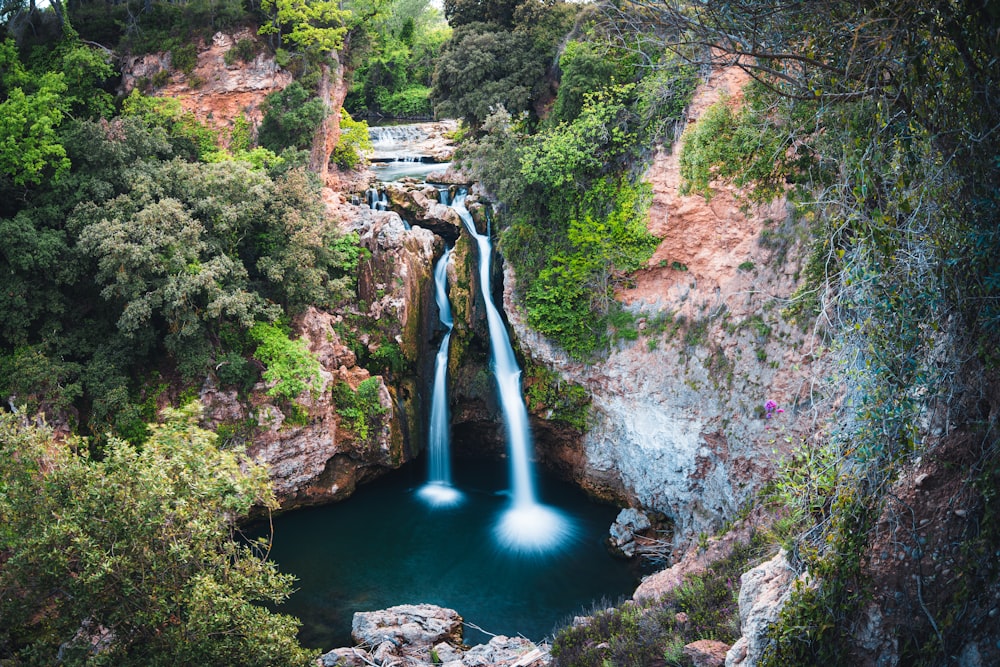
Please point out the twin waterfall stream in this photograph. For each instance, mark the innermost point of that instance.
(468, 533)
(527, 525)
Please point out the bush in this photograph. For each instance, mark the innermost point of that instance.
(354, 141)
(360, 408)
(291, 367)
(136, 548)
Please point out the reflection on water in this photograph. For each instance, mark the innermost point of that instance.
(385, 547)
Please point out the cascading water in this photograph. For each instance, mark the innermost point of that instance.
(439, 491)
(526, 525)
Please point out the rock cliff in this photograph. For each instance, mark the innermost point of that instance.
(689, 419)
(215, 92)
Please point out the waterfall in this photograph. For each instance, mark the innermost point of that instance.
(438, 491)
(377, 199)
(527, 525)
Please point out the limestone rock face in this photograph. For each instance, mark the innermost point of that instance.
(764, 590)
(215, 92)
(315, 457)
(316, 461)
(678, 420)
(419, 205)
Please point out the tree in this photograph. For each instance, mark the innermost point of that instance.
(30, 115)
(136, 559)
(319, 28)
(484, 66)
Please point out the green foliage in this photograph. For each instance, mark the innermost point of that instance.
(31, 110)
(361, 408)
(649, 632)
(245, 50)
(586, 68)
(131, 262)
(354, 140)
(484, 67)
(414, 101)
(396, 66)
(739, 147)
(290, 367)
(138, 549)
(576, 219)
(184, 57)
(291, 116)
(578, 283)
(547, 393)
(316, 26)
(186, 134)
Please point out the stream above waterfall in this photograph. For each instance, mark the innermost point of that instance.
(384, 546)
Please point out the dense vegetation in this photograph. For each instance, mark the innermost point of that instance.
(134, 558)
(142, 253)
(573, 208)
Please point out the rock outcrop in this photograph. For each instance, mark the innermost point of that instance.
(424, 635)
(679, 421)
(216, 93)
(313, 456)
(764, 590)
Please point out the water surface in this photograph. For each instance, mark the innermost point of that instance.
(385, 546)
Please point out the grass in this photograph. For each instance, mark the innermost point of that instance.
(654, 631)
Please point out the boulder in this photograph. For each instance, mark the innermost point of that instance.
(418, 626)
(706, 653)
(764, 590)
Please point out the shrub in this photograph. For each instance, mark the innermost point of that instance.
(360, 408)
(291, 367)
(354, 141)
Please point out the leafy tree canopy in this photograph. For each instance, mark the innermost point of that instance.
(136, 559)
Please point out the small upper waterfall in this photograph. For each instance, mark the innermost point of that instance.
(438, 490)
(527, 525)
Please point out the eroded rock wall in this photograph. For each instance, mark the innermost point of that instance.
(690, 418)
(215, 92)
(313, 455)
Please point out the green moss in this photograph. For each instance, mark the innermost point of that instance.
(548, 394)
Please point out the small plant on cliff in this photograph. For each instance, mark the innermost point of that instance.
(360, 408)
(354, 141)
(291, 367)
(547, 392)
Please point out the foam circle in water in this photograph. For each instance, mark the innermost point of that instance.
(533, 529)
(437, 494)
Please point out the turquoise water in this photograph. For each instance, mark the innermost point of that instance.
(385, 546)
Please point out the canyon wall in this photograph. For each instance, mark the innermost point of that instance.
(692, 416)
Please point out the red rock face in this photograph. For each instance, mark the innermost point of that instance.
(215, 93)
(679, 423)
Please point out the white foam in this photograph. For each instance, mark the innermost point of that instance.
(534, 529)
(437, 494)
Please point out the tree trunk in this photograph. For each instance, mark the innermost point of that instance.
(332, 90)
